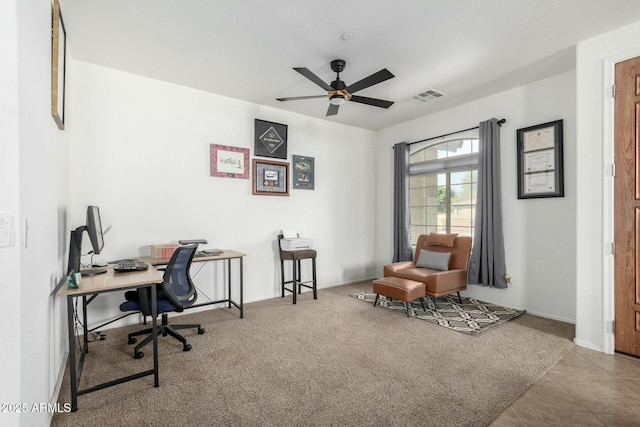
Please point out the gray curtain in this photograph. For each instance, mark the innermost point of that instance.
(401, 209)
(487, 264)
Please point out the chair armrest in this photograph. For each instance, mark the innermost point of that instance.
(402, 265)
(391, 269)
(169, 294)
(143, 296)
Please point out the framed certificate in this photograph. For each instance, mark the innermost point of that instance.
(540, 161)
(270, 178)
(230, 162)
(303, 173)
(537, 183)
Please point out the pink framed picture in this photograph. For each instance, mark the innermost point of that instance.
(229, 162)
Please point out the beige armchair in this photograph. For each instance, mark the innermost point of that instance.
(441, 262)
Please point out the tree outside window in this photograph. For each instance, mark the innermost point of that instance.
(443, 188)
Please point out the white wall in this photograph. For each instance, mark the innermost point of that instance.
(34, 186)
(10, 339)
(539, 233)
(141, 153)
(594, 270)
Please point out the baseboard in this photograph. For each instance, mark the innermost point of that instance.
(355, 282)
(588, 345)
(53, 400)
(552, 317)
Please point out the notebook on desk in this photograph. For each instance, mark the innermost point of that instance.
(208, 252)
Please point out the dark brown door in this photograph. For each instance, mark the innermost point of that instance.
(627, 207)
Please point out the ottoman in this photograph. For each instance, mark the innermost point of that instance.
(401, 289)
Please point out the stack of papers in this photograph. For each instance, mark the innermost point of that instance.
(289, 234)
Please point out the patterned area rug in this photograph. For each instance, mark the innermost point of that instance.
(470, 317)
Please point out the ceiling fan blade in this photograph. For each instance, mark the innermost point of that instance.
(372, 101)
(317, 80)
(332, 110)
(295, 98)
(373, 79)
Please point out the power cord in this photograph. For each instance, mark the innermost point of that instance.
(97, 335)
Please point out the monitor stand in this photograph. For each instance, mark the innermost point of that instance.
(93, 271)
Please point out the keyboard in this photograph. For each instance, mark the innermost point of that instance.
(130, 265)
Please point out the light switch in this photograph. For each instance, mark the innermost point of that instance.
(25, 233)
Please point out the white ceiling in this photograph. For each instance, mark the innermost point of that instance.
(246, 49)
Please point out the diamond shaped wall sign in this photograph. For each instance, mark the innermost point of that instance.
(270, 139)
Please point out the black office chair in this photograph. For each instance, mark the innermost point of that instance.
(176, 293)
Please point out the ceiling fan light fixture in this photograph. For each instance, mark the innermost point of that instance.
(337, 99)
(338, 92)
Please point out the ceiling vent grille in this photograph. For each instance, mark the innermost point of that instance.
(427, 95)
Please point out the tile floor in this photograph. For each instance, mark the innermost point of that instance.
(585, 388)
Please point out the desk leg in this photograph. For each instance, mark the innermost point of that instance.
(86, 325)
(72, 355)
(154, 332)
(241, 289)
(229, 281)
(294, 280)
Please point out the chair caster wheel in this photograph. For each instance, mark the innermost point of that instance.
(132, 340)
(138, 355)
(186, 347)
(200, 331)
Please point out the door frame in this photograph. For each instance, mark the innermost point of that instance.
(608, 142)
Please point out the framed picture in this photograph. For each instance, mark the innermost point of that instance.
(58, 64)
(270, 178)
(230, 162)
(303, 173)
(540, 161)
(270, 139)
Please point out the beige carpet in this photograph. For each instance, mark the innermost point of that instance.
(333, 361)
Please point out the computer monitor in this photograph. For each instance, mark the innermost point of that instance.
(75, 250)
(94, 228)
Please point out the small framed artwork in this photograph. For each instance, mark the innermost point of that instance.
(540, 161)
(303, 173)
(270, 178)
(230, 162)
(270, 139)
(58, 62)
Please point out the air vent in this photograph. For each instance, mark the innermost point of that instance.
(427, 95)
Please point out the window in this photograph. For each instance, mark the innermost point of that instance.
(443, 186)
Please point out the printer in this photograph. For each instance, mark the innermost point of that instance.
(291, 242)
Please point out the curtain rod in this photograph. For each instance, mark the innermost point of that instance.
(500, 122)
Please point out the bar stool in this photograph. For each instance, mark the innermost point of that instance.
(296, 282)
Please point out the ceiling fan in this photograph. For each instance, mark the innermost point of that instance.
(339, 93)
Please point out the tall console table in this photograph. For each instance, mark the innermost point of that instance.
(90, 287)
